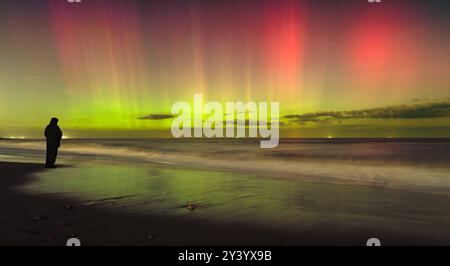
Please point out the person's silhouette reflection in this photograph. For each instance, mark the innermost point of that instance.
(53, 134)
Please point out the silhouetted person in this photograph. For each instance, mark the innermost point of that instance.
(53, 134)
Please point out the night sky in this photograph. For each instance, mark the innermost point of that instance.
(100, 65)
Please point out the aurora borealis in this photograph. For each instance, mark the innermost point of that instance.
(100, 65)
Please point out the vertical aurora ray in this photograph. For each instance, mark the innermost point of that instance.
(99, 49)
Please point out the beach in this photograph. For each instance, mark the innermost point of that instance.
(226, 192)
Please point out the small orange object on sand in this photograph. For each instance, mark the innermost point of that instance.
(191, 207)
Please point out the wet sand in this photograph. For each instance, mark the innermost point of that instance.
(40, 220)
